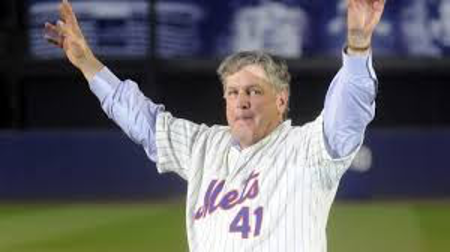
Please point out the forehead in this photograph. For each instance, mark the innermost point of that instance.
(248, 75)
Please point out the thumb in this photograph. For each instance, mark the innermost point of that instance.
(378, 9)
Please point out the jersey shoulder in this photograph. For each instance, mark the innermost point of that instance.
(306, 130)
(214, 136)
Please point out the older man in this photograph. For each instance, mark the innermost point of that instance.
(258, 184)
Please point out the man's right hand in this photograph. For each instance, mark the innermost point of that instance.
(66, 34)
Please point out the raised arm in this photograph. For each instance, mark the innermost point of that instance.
(67, 34)
(122, 101)
(350, 101)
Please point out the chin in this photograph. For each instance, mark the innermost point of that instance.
(243, 135)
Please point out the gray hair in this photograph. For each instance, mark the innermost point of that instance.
(275, 68)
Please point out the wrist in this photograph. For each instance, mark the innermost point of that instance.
(357, 50)
(358, 41)
(90, 67)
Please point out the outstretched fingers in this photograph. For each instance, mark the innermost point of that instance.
(67, 14)
(378, 4)
(53, 35)
(378, 9)
(355, 4)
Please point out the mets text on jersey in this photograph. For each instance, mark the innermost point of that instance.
(215, 199)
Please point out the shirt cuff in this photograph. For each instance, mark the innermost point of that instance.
(359, 65)
(103, 83)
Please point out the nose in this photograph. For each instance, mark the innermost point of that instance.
(243, 101)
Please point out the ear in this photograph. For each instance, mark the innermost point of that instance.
(282, 101)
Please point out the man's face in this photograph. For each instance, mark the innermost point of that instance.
(254, 108)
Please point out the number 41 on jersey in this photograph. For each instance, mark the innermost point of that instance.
(242, 222)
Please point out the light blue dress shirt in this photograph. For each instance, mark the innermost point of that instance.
(349, 106)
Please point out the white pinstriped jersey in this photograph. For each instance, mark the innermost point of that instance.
(272, 196)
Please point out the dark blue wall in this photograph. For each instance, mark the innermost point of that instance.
(79, 165)
(405, 163)
(107, 165)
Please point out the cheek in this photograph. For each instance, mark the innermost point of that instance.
(265, 108)
(229, 112)
(266, 114)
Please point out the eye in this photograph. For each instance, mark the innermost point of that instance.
(255, 91)
(231, 92)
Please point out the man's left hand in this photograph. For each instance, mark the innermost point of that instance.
(362, 18)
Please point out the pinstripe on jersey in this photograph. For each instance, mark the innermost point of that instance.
(272, 196)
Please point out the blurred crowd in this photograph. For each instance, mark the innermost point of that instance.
(290, 28)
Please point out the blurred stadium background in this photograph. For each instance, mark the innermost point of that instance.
(71, 181)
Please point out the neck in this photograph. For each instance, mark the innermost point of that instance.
(245, 142)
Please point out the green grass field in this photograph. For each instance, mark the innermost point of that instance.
(369, 227)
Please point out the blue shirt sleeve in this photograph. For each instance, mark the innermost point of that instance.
(349, 105)
(126, 105)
